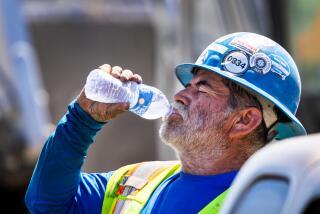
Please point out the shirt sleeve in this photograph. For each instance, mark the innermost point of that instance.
(57, 184)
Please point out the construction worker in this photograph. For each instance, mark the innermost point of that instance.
(242, 92)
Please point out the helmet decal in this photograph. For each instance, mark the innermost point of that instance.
(279, 66)
(260, 63)
(235, 62)
(202, 58)
(240, 43)
(217, 47)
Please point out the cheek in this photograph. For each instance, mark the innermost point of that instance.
(209, 113)
(202, 113)
(211, 105)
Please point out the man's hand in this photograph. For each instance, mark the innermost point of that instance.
(103, 112)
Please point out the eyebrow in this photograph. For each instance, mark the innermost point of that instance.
(204, 79)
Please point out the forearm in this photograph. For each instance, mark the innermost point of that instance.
(56, 178)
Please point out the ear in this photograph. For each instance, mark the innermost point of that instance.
(244, 121)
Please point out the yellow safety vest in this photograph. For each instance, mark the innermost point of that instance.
(130, 187)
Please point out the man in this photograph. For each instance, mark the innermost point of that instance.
(242, 92)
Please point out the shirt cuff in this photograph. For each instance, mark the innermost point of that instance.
(83, 117)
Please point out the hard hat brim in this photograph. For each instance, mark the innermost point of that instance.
(285, 129)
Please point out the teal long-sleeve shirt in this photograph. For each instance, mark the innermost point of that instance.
(59, 186)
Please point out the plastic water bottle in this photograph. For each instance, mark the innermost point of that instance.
(146, 101)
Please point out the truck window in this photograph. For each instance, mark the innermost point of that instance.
(266, 195)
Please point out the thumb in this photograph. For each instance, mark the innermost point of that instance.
(124, 106)
(119, 107)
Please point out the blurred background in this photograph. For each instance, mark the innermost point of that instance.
(47, 48)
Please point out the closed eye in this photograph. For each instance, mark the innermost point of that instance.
(202, 86)
(202, 82)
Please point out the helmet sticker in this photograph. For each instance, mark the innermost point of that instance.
(217, 47)
(235, 62)
(260, 63)
(279, 66)
(202, 58)
(243, 45)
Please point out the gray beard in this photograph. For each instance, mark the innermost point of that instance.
(201, 134)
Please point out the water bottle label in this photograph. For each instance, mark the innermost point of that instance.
(144, 101)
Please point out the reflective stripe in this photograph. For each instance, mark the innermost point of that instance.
(143, 173)
(214, 206)
(130, 187)
(143, 179)
(110, 197)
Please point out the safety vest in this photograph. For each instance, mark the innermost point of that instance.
(130, 187)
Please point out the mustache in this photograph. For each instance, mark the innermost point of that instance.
(182, 110)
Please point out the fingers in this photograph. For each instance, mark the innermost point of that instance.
(136, 78)
(116, 71)
(119, 73)
(126, 75)
(105, 68)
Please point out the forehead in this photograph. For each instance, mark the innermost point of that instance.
(207, 74)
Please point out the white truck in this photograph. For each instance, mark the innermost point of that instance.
(282, 178)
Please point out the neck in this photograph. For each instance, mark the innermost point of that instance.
(213, 161)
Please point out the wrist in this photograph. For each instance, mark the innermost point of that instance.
(84, 117)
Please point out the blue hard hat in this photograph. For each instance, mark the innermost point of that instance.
(261, 66)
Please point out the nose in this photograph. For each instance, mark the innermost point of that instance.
(182, 97)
